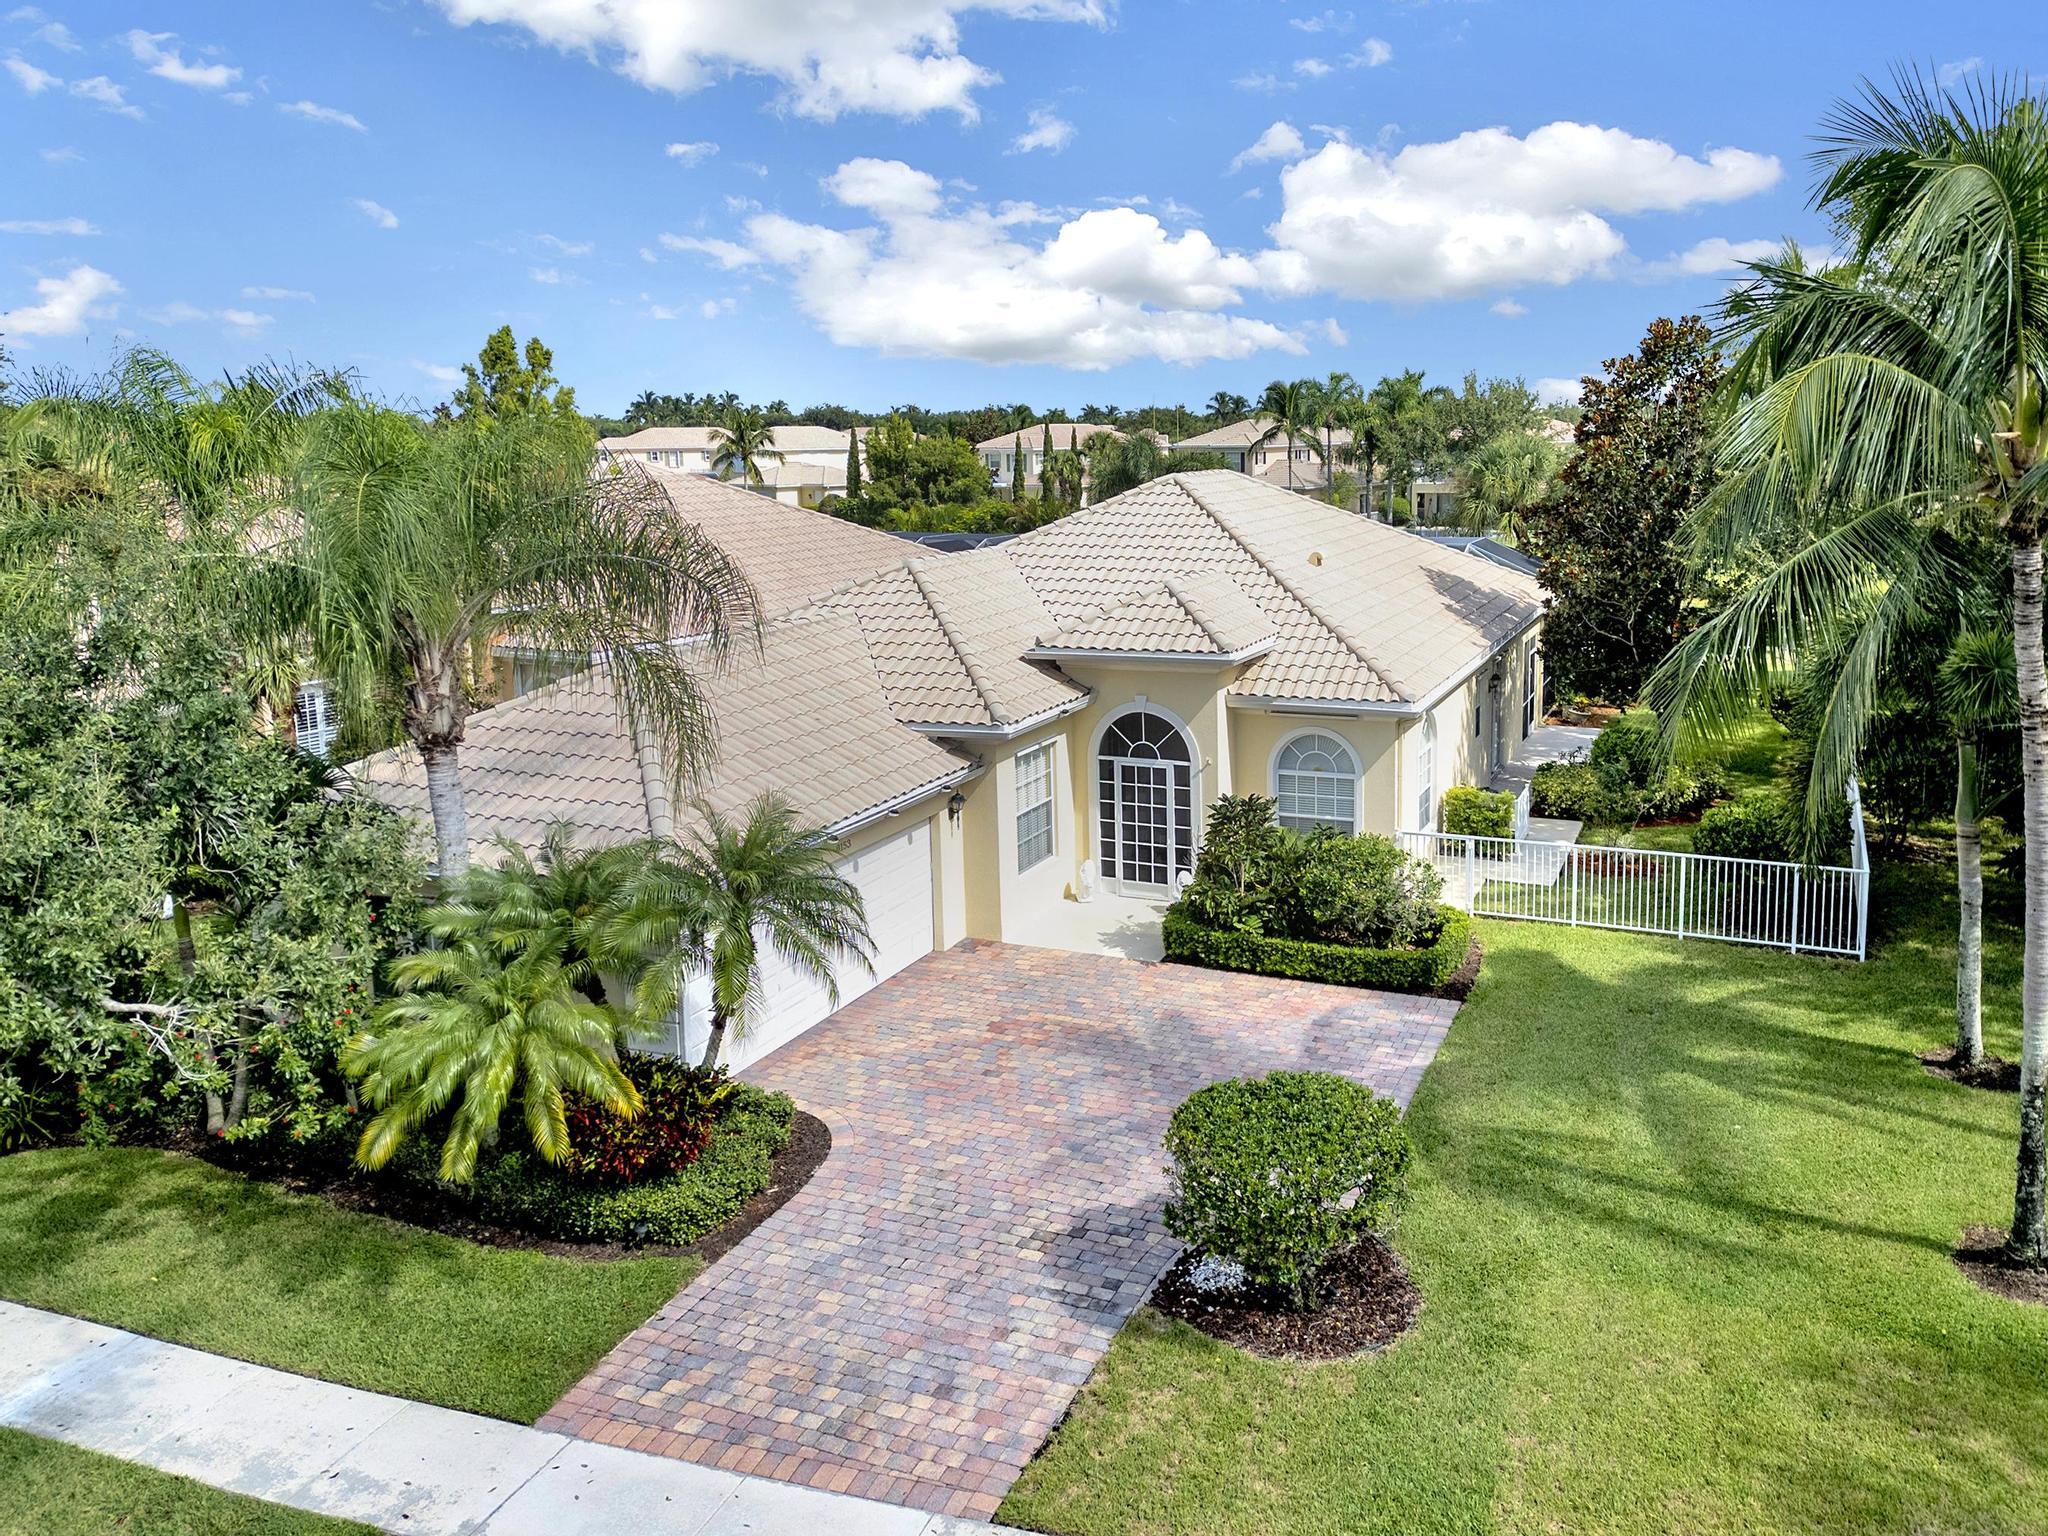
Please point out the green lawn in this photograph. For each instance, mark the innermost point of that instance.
(173, 1247)
(1682, 1220)
(50, 1489)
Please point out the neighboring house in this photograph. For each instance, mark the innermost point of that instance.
(1433, 502)
(1001, 454)
(997, 732)
(692, 448)
(1257, 446)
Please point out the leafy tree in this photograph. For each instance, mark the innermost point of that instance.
(1481, 414)
(905, 470)
(853, 466)
(498, 1004)
(707, 904)
(1918, 397)
(411, 546)
(1609, 540)
(1044, 461)
(741, 442)
(1017, 468)
(503, 382)
(1504, 481)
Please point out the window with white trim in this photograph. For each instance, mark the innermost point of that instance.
(1529, 692)
(313, 724)
(1034, 806)
(1425, 777)
(1315, 783)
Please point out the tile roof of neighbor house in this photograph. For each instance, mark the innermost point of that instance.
(1351, 611)
(787, 552)
(788, 439)
(1180, 616)
(1063, 435)
(1248, 433)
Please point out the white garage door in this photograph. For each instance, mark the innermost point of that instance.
(894, 878)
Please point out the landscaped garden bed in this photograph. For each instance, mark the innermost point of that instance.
(1317, 906)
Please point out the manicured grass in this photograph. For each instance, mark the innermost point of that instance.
(51, 1489)
(175, 1248)
(1682, 1219)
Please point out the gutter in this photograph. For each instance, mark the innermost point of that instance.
(1004, 732)
(898, 803)
(1280, 705)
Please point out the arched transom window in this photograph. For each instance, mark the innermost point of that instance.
(1315, 783)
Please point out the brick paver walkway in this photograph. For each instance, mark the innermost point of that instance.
(914, 1323)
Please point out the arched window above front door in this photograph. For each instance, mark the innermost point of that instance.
(1141, 734)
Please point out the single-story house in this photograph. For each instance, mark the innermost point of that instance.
(998, 734)
(692, 447)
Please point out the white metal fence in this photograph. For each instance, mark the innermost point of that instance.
(1804, 908)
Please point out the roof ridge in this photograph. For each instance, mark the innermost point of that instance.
(1346, 640)
(981, 687)
(1173, 586)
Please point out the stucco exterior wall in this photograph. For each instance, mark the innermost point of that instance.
(1256, 735)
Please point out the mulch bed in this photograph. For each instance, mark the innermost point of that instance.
(1368, 1302)
(1994, 1073)
(1981, 1258)
(1458, 986)
(810, 1141)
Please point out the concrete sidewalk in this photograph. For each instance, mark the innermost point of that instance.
(400, 1466)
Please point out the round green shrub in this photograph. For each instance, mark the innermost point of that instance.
(1361, 890)
(1754, 827)
(1629, 751)
(1282, 1172)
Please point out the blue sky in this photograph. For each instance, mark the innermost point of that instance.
(1055, 201)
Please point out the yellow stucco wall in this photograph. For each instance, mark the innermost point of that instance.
(1256, 736)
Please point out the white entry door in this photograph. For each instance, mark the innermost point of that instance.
(1144, 789)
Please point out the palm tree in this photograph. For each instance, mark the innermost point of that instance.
(1065, 473)
(1118, 461)
(1227, 407)
(502, 1002)
(1976, 689)
(1503, 480)
(741, 442)
(412, 544)
(1336, 399)
(1291, 407)
(1915, 398)
(708, 904)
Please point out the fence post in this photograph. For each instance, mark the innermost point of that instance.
(1794, 947)
(1471, 874)
(1683, 864)
(1572, 853)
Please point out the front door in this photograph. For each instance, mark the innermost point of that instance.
(1144, 822)
(1145, 795)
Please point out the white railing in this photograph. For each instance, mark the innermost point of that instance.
(1805, 908)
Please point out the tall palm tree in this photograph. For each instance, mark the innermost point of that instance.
(707, 905)
(1916, 398)
(410, 544)
(502, 1001)
(741, 442)
(1337, 399)
(1065, 472)
(1977, 691)
(1503, 480)
(1291, 408)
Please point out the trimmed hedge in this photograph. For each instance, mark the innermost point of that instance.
(519, 1190)
(1390, 970)
(1473, 812)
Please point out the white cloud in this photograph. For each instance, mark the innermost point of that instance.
(243, 322)
(169, 64)
(555, 277)
(1557, 391)
(1953, 73)
(1509, 308)
(63, 304)
(662, 311)
(47, 227)
(1371, 54)
(1110, 286)
(1710, 258)
(1485, 210)
(440, 373)
(570, 248)
(1282, 141)
(1263, 81)
(313, 112)
(711, 309)
(1048, 130)
(277, 295)
(31, 79)
(1314, 69)
(62, 155)
(1328, 21)
(726, 253)
(900, 57)
(695, 152)
(375, 212)
(102, 90)
(55, 34)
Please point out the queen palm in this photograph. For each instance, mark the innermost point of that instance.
(411, 544)
(1908, 400)
(1337, 400)
(707, 904)
(741, 442)
(500, 1005)
(1292, 408)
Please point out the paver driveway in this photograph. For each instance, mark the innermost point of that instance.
(914, 1323)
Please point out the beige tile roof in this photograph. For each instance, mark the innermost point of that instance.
(788, 439)
(805, 715)
(1181, 616)
(1063, 435)
(1249, 433)
(789, 553)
